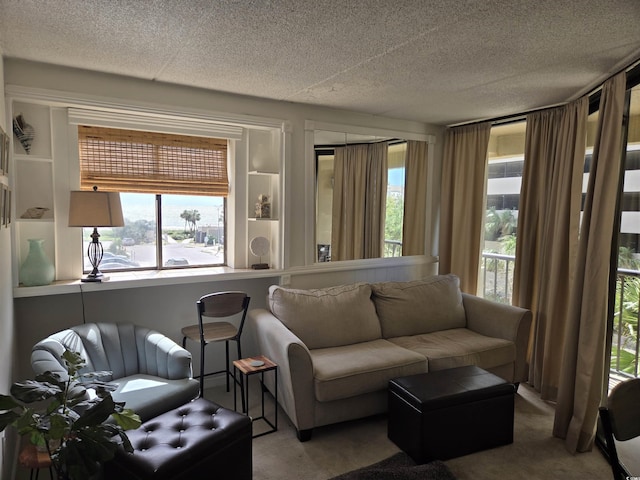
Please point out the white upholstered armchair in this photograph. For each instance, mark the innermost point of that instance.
(152, 372)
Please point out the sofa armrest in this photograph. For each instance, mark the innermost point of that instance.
(498, 320)
(295, 375)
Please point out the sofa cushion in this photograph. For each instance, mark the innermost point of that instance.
(347, 371)
(419, 306)
(327, 317)
(459, 347)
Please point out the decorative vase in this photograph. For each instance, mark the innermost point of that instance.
(37, 269)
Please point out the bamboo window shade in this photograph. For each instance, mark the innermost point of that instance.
(119, 160)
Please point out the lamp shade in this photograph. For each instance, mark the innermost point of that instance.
(95, 209)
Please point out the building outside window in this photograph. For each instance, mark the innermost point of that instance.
(504, 179)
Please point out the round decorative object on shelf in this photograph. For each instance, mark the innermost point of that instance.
(37, 269)
(259, 246)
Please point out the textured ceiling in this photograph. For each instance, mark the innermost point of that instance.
(436, 61)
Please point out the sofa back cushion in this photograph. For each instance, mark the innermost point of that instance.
(419, 306)
(327, 317)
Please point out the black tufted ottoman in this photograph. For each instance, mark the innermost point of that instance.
(199, 440)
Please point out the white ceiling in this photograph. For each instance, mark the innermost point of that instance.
(436, 61)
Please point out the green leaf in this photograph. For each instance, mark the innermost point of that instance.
(55, 378)
(76, 460)
(126, 443)
(96, 376)
(97, 443)
(96, 414)
(7, 402)
(8, 418)
(28, 420)
(53, 406)
(37, 438)
(31, 391)
(73, 361)
(127, 419)
(60, 426)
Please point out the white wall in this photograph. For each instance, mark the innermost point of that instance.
(7, 326)
(168, 308)
(141, 91)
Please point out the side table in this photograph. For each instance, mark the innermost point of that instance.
(30, 457)
(251, 366)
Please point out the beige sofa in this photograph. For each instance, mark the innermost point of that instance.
(337, 348)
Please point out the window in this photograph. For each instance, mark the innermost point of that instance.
(504, 172)
(394, 214)
(173, 192)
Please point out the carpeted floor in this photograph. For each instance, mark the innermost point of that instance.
(336, 449)
(399, 467)
(535, 454)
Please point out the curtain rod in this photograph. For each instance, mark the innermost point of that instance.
(633, 76)
(391, 141)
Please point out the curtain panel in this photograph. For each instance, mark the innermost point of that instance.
(548, 224)
(462, 202)
(359, 194)
(581, 383)
(415, 198)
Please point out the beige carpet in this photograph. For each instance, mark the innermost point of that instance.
(333, 450)
(336, 449)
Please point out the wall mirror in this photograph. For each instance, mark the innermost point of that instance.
(365, 206)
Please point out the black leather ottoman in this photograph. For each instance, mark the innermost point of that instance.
(450, 413)
(199, 440)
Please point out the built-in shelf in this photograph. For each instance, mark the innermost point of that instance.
(32, 175)
(35, 220)
(264, 166)
(31, 158)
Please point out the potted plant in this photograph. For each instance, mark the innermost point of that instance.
(67, 417)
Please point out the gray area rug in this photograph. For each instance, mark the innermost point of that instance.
(400, 467)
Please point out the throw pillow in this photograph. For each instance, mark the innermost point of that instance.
(419, 306)
(327, 317)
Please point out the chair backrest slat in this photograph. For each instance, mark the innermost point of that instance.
(223, 304)
(624, 409)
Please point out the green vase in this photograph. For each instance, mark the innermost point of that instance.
(37, 269)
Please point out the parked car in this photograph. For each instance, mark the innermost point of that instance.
(128, 242)
(174, 262)
(111, 261)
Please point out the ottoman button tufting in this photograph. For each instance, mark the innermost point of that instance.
(195, 452)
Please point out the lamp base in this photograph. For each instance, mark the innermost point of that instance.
(95, 277)
(260, 266)
(92, 279)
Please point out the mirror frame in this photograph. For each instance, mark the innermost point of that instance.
(310, 128)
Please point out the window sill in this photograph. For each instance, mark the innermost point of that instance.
(145, 278)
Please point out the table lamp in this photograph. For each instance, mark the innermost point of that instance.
(95, 209)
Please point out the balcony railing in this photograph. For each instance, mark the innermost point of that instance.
(626, 317)
(392, 248)
(497, 277)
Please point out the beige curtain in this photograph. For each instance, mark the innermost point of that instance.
(548, 222)
(582, 376)
(462, 207)
(415, 198)
(359, 195)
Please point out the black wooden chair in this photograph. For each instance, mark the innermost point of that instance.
(218, 305)
(621, 421)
